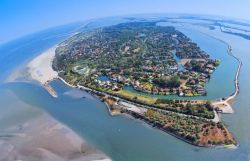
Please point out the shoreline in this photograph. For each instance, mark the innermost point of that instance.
(223, 103)
(133, 114)
(36, 70)
(236, 78)
(44, 74)
(226, 102)
(40, 70)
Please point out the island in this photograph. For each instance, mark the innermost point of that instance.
(157, 60)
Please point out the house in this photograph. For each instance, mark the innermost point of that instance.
(210, 66)
(200, 90)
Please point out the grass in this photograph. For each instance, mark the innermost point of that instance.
(130, 95)
(147, 84)
(189, 94)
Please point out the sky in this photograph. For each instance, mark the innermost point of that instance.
(22, 17)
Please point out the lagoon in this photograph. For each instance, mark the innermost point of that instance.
(218, 86)
(124, 138)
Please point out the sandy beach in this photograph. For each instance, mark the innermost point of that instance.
(43, 138)
(40, 68)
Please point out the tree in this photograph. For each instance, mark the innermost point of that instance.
(209, 106)
(172, 82)
(189, 108)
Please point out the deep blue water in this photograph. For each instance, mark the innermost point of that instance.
(18, 52)
(120, 137)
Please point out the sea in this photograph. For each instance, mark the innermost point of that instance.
(124, 138)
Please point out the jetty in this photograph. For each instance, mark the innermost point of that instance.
(236, 80)
(225, 104)
(50, 90)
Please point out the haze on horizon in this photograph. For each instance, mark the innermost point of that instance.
(19, 18)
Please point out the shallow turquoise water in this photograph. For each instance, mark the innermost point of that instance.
(123, 138)
(120, 137)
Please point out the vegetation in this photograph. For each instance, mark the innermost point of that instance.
(172, 82)
(196, 131)
(200, 110)
(204, 110)
(145, 57)
(139, 54)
